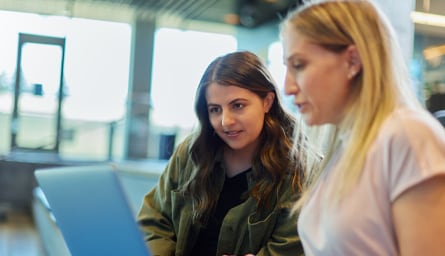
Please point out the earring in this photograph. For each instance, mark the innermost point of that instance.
(352, 74)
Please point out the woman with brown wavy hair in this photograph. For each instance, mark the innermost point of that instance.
(229, 187)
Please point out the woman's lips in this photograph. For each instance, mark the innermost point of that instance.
(232, 133)
(301, 106)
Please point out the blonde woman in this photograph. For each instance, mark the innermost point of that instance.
(381, 188)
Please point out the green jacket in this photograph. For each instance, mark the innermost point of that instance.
(166, 218)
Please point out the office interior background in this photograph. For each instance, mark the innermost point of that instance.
(91, 81)
(76, 98)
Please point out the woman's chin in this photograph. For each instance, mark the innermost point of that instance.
(310, 121)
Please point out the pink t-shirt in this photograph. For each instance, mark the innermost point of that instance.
(409, 149)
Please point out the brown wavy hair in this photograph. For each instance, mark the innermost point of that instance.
(273, 159)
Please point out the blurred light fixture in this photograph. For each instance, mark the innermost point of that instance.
(428, 19)
(232, 19)
(434, 52)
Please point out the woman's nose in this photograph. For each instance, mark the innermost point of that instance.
(227, 119)
(290, 84)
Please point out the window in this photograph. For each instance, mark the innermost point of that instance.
(180, 58)
(278, 70)
(95, 79)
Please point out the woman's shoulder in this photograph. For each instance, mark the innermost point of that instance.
(405, 125)
(180, 162)
(183, 148)
(289, 192)
(413, 146)
(186, 141)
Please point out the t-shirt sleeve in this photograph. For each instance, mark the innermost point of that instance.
(416, 152)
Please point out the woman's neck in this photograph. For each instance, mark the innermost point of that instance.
(237, 161)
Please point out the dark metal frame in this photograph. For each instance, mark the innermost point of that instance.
(36, 39)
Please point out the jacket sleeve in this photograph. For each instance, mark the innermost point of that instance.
(155, 214)
(284, 239)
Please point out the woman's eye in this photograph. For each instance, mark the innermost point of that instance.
(238, 106)
(213, 110)
(298, 66)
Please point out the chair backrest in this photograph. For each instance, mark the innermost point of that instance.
(440, 115)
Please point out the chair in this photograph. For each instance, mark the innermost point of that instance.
(440, 115)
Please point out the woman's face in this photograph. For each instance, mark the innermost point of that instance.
(318, 79)
(237, 115)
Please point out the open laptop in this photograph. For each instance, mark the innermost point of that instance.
(92, 211)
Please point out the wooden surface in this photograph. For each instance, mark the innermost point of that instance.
(18, 235)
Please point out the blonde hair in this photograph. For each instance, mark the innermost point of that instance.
(382, 84)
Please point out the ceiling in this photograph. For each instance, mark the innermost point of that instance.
(434, 7)
(245, 13)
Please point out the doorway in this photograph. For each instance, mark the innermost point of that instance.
(38, 94)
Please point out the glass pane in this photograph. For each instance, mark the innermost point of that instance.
(96, 83)
(6, 98)
(39, 88)
(186, 78)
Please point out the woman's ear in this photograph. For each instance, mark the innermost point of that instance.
(354, 61)
(268, 101)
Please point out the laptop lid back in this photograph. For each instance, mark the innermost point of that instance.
(92, 211)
